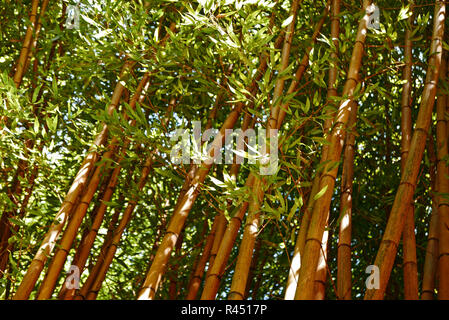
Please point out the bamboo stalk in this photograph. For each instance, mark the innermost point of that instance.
(50, 239)
(285, 57)
(305, 288)
(69, 235)
(409, 242)
(173, 287)
(344, 278)
(252, 268)
(387, 251)
(321, 271)
(37, 31)
(259, 274)
(80, 258)
(88, 241)
(321, 275)
(222, 221)
(238, 285)
(16, 190)
(213, 277)
(26, 46)
(431, 258)
(98, 274)
(302, 66)
(443, 188)
(219, 234)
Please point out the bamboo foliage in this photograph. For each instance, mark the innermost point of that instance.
(195, 282)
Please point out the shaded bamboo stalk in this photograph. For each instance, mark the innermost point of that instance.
(198, 273)
(259, 274)
(443, 188)
(388, 247)
(409, 242)
(431, 257)
(320, 213)
(173, 286)
(252, 269)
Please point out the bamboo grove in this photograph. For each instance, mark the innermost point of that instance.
(94, 204)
